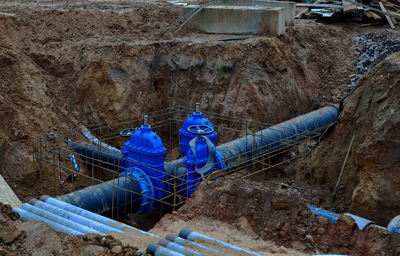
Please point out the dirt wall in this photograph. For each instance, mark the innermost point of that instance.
(370, 181)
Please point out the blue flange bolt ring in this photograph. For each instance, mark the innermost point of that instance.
(147, 189)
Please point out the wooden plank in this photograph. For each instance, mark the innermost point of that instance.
(389, 13)
(330, 6)
(373, 15)
(387, 17)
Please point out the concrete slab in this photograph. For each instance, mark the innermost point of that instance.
(7, 195)
(289, 7)
(237, 20)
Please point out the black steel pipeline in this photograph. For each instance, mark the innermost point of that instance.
(99, 198)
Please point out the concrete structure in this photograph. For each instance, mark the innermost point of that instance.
(7, 195)
(218, 19)
(288, 7)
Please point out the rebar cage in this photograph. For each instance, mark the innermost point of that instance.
(65, 170)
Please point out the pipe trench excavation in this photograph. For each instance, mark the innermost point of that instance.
(145, 178)
(145, 181)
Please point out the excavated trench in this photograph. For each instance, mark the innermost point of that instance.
(89, 82)
(63, 74)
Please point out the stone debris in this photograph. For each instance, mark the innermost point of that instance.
(372, 48)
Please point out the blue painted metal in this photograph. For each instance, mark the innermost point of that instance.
(25, 215)
(145, 150)
(394, 225)
(98, 198)
(331, 216)
(73, 160)
(93, 216)
(198, 247)
(146, 187)
(158, 250)
(185, 137)
(193, 236)
(178, 248)
(290, 131)
(200, 162)
(58, 219)
(73, 217)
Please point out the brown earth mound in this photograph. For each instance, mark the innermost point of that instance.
(272, 213)
(370, 180)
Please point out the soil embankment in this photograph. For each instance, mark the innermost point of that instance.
(370, 182)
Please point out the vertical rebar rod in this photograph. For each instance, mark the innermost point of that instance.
(125, 200)
(39, 162)
(59, 165)
(54, 171)
(113, 194)
(131, 183)
(174, 207)
(170, 132)
(93, 147)
(246, 135)
(253, 153)
(117, 200)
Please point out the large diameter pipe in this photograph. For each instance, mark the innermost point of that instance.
(194, 236)
(270, 139)
(25, 215)
(278, 136)
(98, 156)
(102, 197)
(99, 198)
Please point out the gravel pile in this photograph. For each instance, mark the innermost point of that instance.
(371, 49)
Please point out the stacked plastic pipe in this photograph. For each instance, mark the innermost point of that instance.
(393, 227)
(190, 243)
(73, 220)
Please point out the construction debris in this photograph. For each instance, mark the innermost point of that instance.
(372, 48)
(378, 11)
